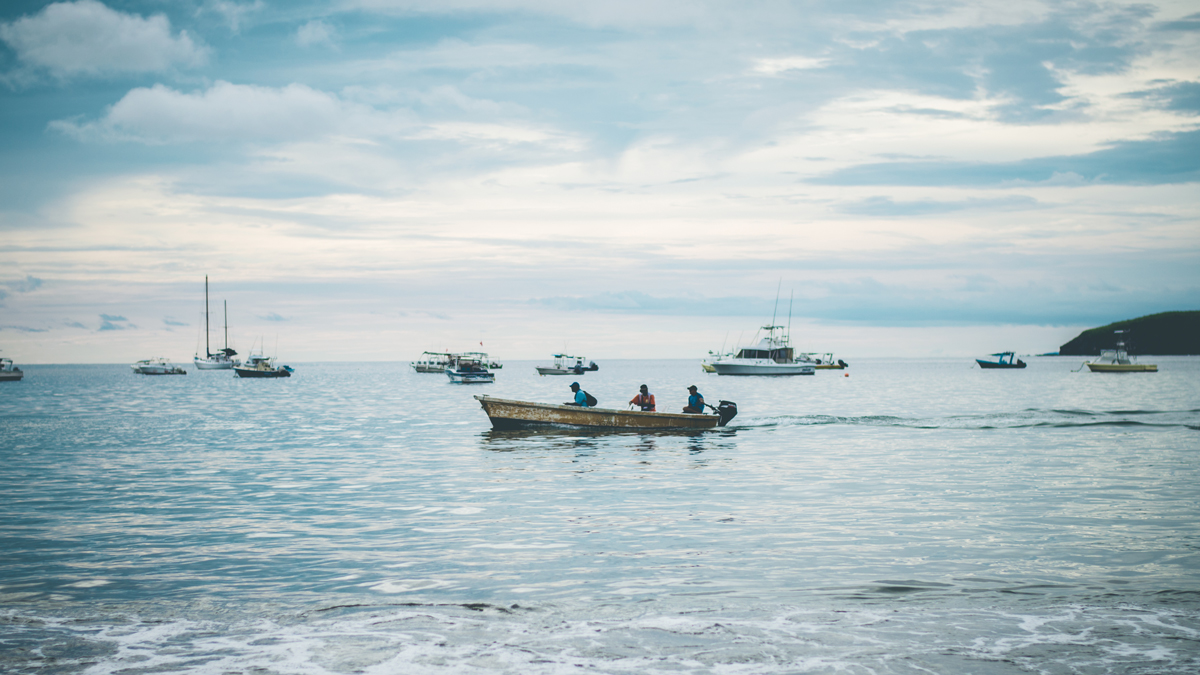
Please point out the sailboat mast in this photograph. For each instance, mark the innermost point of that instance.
(789, 333)
(207, 349)
(775, 311)
(226, 303)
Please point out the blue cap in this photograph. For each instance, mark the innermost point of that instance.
(574, 384)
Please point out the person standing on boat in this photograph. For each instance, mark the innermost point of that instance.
(644, 399)
(695, 401)
(580, 396)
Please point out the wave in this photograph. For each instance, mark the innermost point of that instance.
(1023, 419)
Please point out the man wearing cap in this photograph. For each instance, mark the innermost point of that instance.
(580, 397)
(695, 401)
(645, 400)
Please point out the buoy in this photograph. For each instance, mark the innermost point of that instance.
(846, 375)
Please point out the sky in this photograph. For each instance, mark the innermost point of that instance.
(367, 179)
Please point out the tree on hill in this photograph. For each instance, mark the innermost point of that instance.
(1168, 333)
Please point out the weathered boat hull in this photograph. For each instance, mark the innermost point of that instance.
(542, 370)
(420, 368)
(1122, 368)
(509, 414)
(470, 378)
(11, 375)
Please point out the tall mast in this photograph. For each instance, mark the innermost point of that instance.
(789, 333)
(776, 310)
(207, 350)
(226, 324)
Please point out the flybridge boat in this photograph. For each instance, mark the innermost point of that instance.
(432, 362)
(9, 372)
(771, 356)
(222, 360)
(1118, 361)
(565, 364)
(469, 368)
(508, 414)
(1003, 360)
(158, 366)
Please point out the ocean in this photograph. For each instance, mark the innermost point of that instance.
(906, 516)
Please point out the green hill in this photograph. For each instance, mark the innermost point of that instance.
(1168, 333)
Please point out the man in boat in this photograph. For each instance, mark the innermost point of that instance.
(695, 401)
(580, 396)
(644, 399)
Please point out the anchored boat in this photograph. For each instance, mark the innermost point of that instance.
(563, 366)
(511, 414)
(9, 372)
(1003, 360)
(158, 366)
(432, 362)
(469, 368)
(222, 360)
(262, 366)
(771, 356)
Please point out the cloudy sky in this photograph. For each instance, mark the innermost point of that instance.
(370, 178)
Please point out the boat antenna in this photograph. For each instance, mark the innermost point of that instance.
(789, 333)
(207, 349)
(776, 310)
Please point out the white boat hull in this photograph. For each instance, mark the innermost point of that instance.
(470, 378)
(543, 370)
(213, 364)
(761, 367)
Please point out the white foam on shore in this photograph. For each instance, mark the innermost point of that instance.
(439, 639)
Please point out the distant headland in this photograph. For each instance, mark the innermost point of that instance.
(1165, 334)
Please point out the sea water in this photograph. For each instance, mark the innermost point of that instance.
(902, 516)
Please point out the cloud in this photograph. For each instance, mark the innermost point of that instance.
(114, 322)
(314, 32)
(25, 329)
(111, 317)
(74, 324)
(86, 37)
(272, 316)
(886, 207)
(232, 12)
(232, 112)
(784, 64)
(172, 322)
(29, 284)
(1165, 159)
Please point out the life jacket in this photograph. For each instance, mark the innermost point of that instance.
(646, 401)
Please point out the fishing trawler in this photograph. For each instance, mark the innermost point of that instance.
(508, 414)
(222, 360)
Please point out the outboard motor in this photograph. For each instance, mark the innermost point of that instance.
(726, 410)
(843, 364)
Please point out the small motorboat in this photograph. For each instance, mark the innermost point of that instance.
(469, 369)
(9, 372)
(262, 366)
(158, 366)
(822, 361)
(510, 414)
(563, 366)
(1003, 360)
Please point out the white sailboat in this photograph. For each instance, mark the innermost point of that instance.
(222, 360)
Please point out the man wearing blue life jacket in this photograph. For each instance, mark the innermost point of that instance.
(695, 401)
(580, 396)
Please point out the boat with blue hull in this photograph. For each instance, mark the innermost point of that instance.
(1003, 360)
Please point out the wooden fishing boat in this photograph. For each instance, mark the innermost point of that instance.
(510, 414)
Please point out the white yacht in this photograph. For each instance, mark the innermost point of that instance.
(1118, 361)
(222, 360)
(469, 368)
(565, 364)
(9, 372)
(771, 356)
(157, 366)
